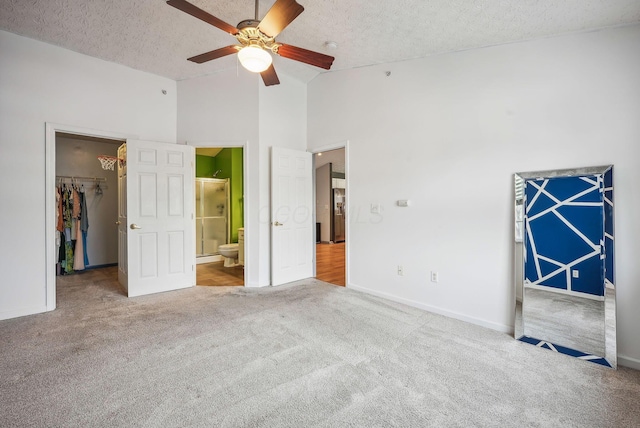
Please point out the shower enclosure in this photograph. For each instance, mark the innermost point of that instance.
(212, 215)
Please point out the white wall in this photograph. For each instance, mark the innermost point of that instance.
(235, 107)
(42, 83)
(448, 132)
(77, 157)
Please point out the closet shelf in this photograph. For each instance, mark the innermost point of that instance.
(70, 177)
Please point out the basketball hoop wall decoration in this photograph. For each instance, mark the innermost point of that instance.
(108, 162)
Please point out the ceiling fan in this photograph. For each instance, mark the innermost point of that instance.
(257, 38)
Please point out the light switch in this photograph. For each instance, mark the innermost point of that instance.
(403, 202)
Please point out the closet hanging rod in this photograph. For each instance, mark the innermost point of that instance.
(70, 177)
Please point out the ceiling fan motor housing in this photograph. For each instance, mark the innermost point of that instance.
(247, 23)
(250, 35)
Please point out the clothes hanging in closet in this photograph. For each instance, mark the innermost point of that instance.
(72, 224)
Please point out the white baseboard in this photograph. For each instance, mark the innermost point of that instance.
(209, 259)
(440, 311)
(632, 363)
(21, 312)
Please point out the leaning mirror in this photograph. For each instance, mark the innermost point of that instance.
(564, 262)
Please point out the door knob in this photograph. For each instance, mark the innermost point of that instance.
(134, 226)
(118, 223)
(277, 223)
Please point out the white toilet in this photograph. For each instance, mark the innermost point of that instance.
(230, 253)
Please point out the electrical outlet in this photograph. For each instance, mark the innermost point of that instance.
(434, 276)
(400, 270)
(576, 273)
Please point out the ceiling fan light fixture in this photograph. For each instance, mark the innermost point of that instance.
(254, 59)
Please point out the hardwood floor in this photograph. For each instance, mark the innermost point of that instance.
(330, 263)
(330, 267)
(216, 274)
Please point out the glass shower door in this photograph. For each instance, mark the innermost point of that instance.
(212, 221)
(199, 247)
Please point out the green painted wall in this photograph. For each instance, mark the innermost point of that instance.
(237, 192)
(205, 166)
(229, 162)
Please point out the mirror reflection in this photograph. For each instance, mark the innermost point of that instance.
(564, 262)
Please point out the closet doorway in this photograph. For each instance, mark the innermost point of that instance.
(86, 237)
(219, 216)
(331, 216)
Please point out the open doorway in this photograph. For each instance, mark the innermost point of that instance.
(86, 236)
(331, 219)
(219, 216)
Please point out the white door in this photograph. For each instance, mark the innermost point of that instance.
(158, 216)
(291, 216)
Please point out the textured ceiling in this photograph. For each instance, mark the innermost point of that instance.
(151, 36)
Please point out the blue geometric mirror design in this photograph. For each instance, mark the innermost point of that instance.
(564, 240)
(565, 283)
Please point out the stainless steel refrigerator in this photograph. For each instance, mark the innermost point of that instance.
(338, 218)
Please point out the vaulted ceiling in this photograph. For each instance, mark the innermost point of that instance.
(151, 36)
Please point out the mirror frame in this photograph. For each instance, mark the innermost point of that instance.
(610, 346)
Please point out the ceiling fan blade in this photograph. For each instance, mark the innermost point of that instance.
(306, 56)
(279, 16)
(192, 10)
(269, 76)
(218, 53)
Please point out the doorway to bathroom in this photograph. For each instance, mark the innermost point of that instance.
(219, 216)
(331, 215)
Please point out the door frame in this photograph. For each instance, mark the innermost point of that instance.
(347, 229)
(50, 201)
(246, 203)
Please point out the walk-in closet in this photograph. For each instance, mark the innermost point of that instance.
(86, 205)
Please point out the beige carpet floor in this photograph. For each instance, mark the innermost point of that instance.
(302, 355)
